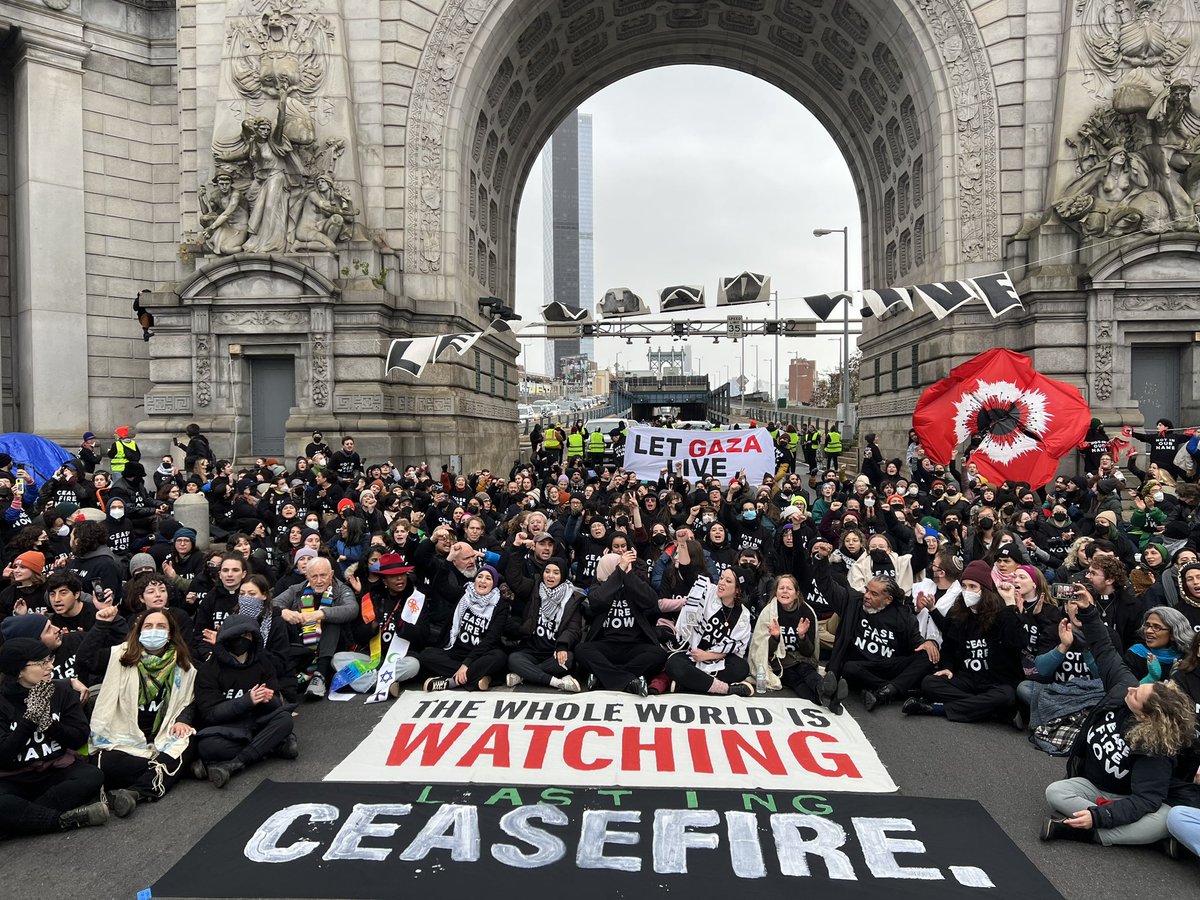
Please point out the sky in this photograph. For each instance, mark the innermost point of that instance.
(682, 196)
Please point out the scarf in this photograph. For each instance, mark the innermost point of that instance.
(1155, 661)
(310, 634)
(253, 607)
(553, 600)
(155, 675)
(481, 606)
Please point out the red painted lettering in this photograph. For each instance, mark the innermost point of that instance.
(632, 747)
(573, 748)
(764, 754)
(698, 747)
(494, 743)
(841, 763)
(432, 748)
(536, 757)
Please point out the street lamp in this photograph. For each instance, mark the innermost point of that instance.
(845, 233)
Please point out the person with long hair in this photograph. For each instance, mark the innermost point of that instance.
(142, 724)
(980, 653)
(714, 629)
(1166, 637)
(44, 785)
(550, 629)
(469, 653)
(1120, 767)
(784, 645)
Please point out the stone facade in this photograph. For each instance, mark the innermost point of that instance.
(374, 152)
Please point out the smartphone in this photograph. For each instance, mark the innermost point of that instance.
(1062, 592)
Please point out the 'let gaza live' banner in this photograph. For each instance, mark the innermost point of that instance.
(700, 454)
(472, 841)
(605, 737)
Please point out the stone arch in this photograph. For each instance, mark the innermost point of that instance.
(497, 76)
(273, 276)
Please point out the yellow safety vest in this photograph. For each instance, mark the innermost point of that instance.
(833, 443)
(793, 440)
(552, 441)
(119, 461)
(596, 442)
(575, 444)
(815, 441)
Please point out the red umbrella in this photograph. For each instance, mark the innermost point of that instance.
(1022, 421)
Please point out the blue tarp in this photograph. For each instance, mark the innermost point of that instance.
(41, 457)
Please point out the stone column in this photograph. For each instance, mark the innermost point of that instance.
(50, 296)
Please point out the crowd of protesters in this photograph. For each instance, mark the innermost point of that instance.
(132, 659)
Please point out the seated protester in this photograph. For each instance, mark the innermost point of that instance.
(142, 721)
(380, 622)
(240, 714)
(254, 600)
(1119, 608)
(63, 647)
(1122, 761)
(878, 647)
(150, 591)
(620, 648)
(94, 561)
(44, 785)
(717, 550)
(982, 639)
(881, 562)
(315, 613)
(552, 626)
(589, 545)
(783, 650)
(1166, 637)
(1055, 652)
(1038, 614)
(468, 652)
(524, 567)
(1188, 589)
(350, 543)
(363, 576)
(26, 592)
(714, 627)
(70, 612)
(221, 601)
(201, 585)
(286, 546)
(755, 579)
(1005, 560)
(1167, 589)
(297, 573)
(447, 569)
(184, 562)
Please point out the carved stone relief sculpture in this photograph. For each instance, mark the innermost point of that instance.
(275, 188)
(1138, 155)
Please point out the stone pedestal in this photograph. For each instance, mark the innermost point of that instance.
(191, 511)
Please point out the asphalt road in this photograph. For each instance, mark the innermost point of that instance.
(926, 757)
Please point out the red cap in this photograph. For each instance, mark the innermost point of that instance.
(344, 504)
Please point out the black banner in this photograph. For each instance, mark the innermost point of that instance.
(344, 840)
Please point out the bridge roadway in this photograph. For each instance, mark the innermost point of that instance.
(929, 758)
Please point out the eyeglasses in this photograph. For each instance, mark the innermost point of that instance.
(1151, 626)
(47, 663)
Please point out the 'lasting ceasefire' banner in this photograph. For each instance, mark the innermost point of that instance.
(471, 841)
(700, 454)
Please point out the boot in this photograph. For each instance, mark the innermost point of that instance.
(199, 770)
(881, 697)
(917, 706)
(220, 773)
(121, 802)
(1057, 830)
(84, 816)
(289, 749)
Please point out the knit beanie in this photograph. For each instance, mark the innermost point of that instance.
(30, 625)
(142, 562)
(32, 560)
(979, 571)
(20, 652)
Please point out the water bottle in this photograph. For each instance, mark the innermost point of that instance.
(762, 680)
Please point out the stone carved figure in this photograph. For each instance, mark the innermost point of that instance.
(223, 215)
(279, 164)
(1114, 198)
(1140, 34)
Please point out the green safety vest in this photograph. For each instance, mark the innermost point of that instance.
(774, 435)
(575, 444)
(552, 441)
(793, 440)
(833, 443)
(815, 441)
(596, 441)
(119, 460)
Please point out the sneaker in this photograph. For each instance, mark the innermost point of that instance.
(1173, 848)
(438, 684)
(316, 689)
(741, 689)
(84, 816)
(881, 697)
(827, 690)
(1058, 830)
(512, 679)
(590, 685)
(200, 771)
(571, 685)
(290, 748)
(121, 802)
(484, 683)
(638, 686)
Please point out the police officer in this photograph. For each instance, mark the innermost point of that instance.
(833, 446)
(595, 448)
(575, 444)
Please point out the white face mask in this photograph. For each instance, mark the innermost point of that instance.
(1158, 496)
(117, 512)
(313, 524)
(971, 598)
(63, 530)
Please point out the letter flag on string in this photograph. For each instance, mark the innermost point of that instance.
(461, 342)
(823, 305)
(879, 302)
(944, 297)
(680, 297)
(410, 355)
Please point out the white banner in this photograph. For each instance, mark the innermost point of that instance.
(700, 454)
(607, 738)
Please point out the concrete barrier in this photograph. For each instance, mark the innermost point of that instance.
(191, 510)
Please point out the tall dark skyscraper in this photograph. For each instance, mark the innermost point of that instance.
(567, 224)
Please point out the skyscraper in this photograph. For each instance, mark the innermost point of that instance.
(567, 228)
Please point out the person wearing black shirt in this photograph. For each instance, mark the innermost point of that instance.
(468, 651)
(551, 627)
(878, 647)
(346, 462)
(783, 650)
(1119, 608)
(1119, 770)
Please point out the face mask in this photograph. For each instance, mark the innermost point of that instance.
(1060, 519)
(986, 523)
(971, 598)
(912, 490)
(870, 501)
(708, 520)
(659, 540)
(1158, 496)
(1027, 505)
(311, 523)
(153, 640)
(240, 644)
(749, 515)
(118, 513)
(63, 531)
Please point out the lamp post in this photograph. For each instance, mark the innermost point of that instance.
(775, 381)
(845, 233)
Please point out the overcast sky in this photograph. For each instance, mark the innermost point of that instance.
(701, 172)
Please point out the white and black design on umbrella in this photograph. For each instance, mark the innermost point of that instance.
(622, 301)
(1006, 420)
